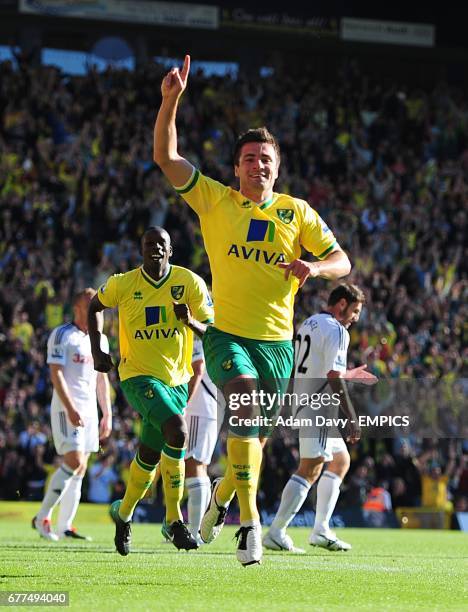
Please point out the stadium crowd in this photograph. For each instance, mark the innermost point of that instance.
(386, 166)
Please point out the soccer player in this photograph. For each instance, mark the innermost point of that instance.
(74, 415)
(253, 238)
(204, 420)
(160, 306)
(322, 345)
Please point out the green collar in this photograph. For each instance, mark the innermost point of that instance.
(152, 282)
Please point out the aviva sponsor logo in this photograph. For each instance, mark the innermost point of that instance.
(155, 315)
(261, 231)
(259, 255)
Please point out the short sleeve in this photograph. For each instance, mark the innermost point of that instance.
(200, 301)
(315, 235)
(56, 348)
(335, 347)
(201, 193)
(108, 293)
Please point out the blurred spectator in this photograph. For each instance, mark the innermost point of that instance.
(101, 477)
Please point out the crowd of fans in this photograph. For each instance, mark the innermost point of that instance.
(386, 166)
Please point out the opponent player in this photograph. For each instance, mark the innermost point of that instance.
(321, 356)
(253, 238)
(74, 415)
(204, 416)
(160, 306)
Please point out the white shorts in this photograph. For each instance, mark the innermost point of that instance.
(203, 434)
(314, 442)
(68, 438)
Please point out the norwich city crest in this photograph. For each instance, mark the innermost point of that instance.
(149, 393)
(285, 214)
(227, 365)
(177, 291)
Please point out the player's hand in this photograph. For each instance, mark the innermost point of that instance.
(301, 270)
(353, 431)
(105, 427)
(183, 313)
(74, 418)
(175, 81)
(360, 374)
(102, 362)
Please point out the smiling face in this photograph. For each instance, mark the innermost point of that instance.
(257, 169)
(156, 249)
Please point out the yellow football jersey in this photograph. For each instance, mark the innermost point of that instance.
(152, 341)
(245, 243)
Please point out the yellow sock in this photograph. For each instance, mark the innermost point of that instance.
(173, 475)
(140, 479)
(226, 489)
(245, 458)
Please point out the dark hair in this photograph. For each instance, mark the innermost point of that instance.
(350, 293)
(257, 135)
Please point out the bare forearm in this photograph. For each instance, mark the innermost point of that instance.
(338, 386)
(335, 266)
(197, 327)
(103, 394)
(95, 323)
(165, 133)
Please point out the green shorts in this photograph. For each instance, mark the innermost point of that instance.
(228, 356)
(155, 402)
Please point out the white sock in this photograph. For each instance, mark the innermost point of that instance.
(58, 484)
(199, 493)
(294, 495)
(69, 504)
(328, 491)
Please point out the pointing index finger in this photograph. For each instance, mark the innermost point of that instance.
(186, 68)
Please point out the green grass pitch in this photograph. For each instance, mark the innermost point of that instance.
(386, 570)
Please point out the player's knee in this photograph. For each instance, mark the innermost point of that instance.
(74, 461)
(194, 468)
(340, 464)
(175, 432)
(148, 455)
(310, 469)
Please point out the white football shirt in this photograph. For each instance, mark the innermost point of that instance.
(70, 348)
(321, 345)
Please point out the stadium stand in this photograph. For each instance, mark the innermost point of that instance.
(385, 164)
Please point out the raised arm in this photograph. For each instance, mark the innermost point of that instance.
(177, 169)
